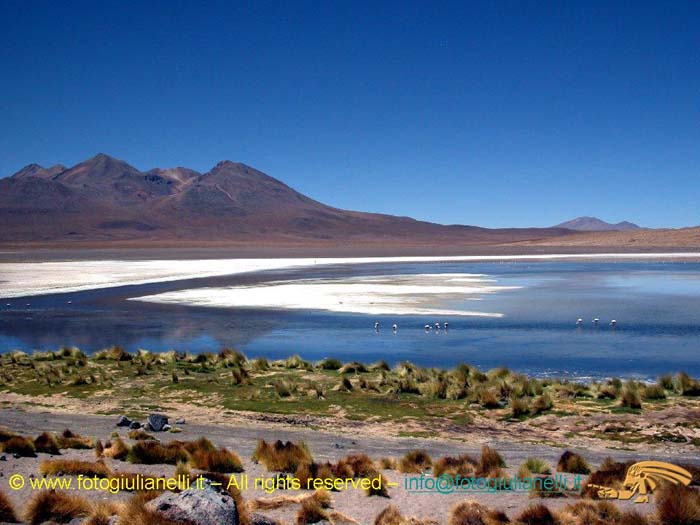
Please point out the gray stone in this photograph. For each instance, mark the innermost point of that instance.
(157, 421)
(206, 506)
(123, 421)
(259, 519)
(180, 421)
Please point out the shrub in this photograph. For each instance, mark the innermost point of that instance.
(74, 467)
(654, 392)
(47, 443)
(473, 513)
(151, 452)
(537, 466)
(609, 474)
(630, 399)
(116, 449)
(55, 506)
(677, 504)
(382, 490)
(354, 367)
(463, 465)
(489, 460)
(20, 445)
(666, 382)
(282, 388)
(388, 463)
(536, 515)
(488, 399)
(542, 404)
(116, 353)
(223, 461)
(390, 516)
(69, 439)
(281, 457)
(7, 511)
(519, 407)
(573, 463)
(140, 435)
(687, 386)
(415, 461)
(329, 364)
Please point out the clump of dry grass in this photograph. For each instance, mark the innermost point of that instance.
(136, 513)
(74, 467)
(20, 445)
(489, 461)
(630, 399)
(223, 461)
(69, 439)
(677, 504)
(359, 464)
(591, 513)
(573, 463)
(381, 488)
(115, 353)
(280, 456)
(388, 463)
(47, 442)
(353, 367)
(140, 435)
(537, 514)
(309, 471)
(473, 513)
(415, 462)
(519, 407)
(464, 465)
(55, 506)
(152, 452)
(7, 511)
(390, 516)
(101, 514)
(116, 449)
(610, 474)
(6, 434)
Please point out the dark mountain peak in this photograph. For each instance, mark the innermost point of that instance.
(589, 224)
(35, 170)
(30, 170)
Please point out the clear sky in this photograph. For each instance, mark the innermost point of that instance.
(495, 113)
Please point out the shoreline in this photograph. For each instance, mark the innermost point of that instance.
(20, 278)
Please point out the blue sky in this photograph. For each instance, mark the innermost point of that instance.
(494, 113)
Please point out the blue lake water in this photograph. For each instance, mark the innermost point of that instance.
(656, 304)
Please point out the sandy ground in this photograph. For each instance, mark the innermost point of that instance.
(324, 445)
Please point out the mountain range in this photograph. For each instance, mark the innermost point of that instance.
(105, 199)
(593, 224)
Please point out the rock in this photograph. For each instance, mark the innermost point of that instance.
(206, 506)
(259, 519)
(157, 421)
(123, 421)
(167, 428)
(135, 425)
(180, 421)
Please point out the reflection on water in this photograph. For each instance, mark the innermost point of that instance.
(657, 306)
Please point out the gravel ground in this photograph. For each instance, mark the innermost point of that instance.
(323, 445)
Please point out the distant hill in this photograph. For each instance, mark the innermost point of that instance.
(104, 199)
(593, 224)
